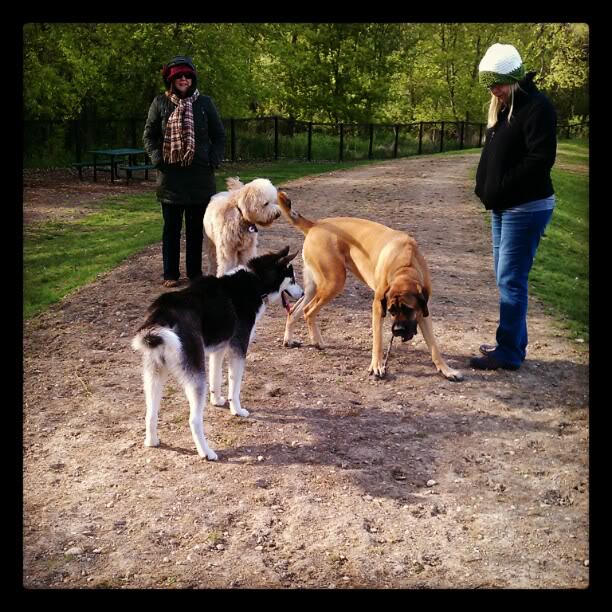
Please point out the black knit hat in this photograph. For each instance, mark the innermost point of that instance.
(179, 60)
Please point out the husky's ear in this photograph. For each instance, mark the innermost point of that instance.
(283, 252)
(285, 260)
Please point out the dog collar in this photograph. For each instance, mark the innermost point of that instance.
(251, 228)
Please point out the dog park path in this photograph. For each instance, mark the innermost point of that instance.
(336, 480)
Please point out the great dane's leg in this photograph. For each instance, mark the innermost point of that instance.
(328, 287)
(426, 328)
(236, 370)
(154, 378)
(215, 376)
(377, 366)
(298, 308)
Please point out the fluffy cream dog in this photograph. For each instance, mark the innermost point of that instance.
(232, 218)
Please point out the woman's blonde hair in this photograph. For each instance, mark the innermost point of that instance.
(496, 104)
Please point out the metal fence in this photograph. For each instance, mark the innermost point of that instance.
(58, 143)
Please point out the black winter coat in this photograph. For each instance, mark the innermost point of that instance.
(517, 157)
(195, 183)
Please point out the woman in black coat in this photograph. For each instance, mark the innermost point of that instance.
(185, 139)
(513, 181)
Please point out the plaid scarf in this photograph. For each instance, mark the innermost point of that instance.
(179, 137)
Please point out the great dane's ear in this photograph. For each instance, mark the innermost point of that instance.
(383, 303)
(422, 299)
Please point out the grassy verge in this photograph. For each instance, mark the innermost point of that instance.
(61, 256)
(560, 273)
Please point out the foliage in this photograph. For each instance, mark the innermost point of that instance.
(325, 72)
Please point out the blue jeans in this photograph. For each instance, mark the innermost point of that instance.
(516, 237)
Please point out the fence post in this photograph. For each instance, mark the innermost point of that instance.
(77, 139)
(276, 138)
(397, 129)
(371, 140)
(233, 138)
(480, 136)
(568, 131)
(462, 135)
(420, 138)
(310, 141)
(342, 142)
(442, 138)
(133, 130)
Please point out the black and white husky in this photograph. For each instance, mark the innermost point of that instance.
(213, 316)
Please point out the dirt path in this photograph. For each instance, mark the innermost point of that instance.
(325, 484)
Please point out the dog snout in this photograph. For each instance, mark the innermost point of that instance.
(405, 329)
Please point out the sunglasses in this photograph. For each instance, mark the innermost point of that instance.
(183, 75)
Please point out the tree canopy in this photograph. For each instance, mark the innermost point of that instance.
(326, 72)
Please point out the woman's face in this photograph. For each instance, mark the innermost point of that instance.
(182, 83)
(501, 92)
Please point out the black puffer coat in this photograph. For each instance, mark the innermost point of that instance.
(516, 160)
(195, 183)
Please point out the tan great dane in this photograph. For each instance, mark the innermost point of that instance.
(386, 260)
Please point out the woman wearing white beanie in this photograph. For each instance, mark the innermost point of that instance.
(513, 181)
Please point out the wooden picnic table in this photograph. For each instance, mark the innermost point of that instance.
(115, 156)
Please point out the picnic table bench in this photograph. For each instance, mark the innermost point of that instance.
(102, 162)
(103, 166)
(135, 168)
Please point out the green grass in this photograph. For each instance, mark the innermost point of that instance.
(560, 273)
(61, 256)
(282, 171)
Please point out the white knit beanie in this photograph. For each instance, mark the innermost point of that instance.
(501, 65)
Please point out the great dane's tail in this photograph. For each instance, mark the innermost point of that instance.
(294, 217)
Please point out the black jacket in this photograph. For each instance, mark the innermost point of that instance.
(517, 157)
(195, 183)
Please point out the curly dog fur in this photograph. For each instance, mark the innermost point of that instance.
(232, 218)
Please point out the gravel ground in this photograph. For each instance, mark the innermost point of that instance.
(336, 480)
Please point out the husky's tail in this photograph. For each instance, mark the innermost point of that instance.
(294, 217)
(233, 182)
(160, 344)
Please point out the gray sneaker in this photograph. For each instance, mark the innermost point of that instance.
(485, 349)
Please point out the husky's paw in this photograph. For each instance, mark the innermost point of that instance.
(239, 411)
(218, 400)
(153, 442)
(209, 454)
